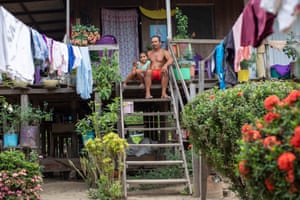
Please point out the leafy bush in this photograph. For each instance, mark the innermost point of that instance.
(214, 119)
(269, 160)
(19, 178)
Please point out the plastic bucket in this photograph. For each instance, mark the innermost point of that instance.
(186, 73)
(10, 140)
(243, 75)
(29, 136)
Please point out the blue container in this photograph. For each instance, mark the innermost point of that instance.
(10, 140)
(87, 136)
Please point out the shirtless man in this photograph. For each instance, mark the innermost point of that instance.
(159, 67)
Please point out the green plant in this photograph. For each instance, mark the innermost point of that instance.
(10, 116)
(100, 123)
(19, 178)
(247, 64)
(290, 49)
(269, 159)
(106, 74)
(182, 22)
(105, 162)
(33, 116)
(214, 119)
(84, 34)
(84, 126)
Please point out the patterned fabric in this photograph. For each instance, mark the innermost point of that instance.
(123, 24)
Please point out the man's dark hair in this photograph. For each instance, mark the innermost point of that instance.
(156, 36)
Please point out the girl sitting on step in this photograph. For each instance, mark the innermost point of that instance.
(138, 70)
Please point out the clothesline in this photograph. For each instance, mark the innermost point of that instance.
(24, 52)
(251, 28)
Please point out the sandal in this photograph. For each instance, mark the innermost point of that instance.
(149, 97)
(165, 97)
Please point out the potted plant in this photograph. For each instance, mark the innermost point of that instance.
(85, 128)
(247, 66)
(10, 121)
(30, 119)
(291, 51)
(20, 178)
(182, 22)
(269, 156)
(106, 73)
(83, 35)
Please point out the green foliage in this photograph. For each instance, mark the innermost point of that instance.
(260, 160)
(289, 49)
(19, 178)
(100, 123)
(102, 166)
(9, 115)
(105, 74)
(214, 119)
(182, 23)
(34, 115)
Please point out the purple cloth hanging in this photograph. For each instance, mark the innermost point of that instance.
(282, 70)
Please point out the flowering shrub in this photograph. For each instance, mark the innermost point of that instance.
(19, 179)
(269, 160)
(214, 119)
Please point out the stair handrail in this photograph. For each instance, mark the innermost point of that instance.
(183, 83)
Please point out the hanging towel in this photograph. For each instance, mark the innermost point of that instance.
(257, 24)
(84, 79)
(15, 46)
(219, 55)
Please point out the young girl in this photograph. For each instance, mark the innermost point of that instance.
(138, 70)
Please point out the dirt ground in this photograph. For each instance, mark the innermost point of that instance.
(57, 189)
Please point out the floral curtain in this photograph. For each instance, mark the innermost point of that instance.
(123, 24)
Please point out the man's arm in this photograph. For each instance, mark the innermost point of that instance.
(169, 59)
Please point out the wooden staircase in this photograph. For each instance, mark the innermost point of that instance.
(161, 126)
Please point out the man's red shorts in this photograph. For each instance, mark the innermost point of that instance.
(156, 74)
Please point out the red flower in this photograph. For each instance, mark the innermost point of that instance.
(270, 141)
(211, 96)
(249, 134)
(295, 140)
(246, 128)
(271, 101)
(240, 94)
(242, 167)
(269, 117)
(259, 125)
(290, 176)
(285, 161)
(269, 185)
(292, 97)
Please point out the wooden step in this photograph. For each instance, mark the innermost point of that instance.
(149, 114)
(155, 145)
(150, 129)
(156, 181)
(156, 162)
(137, 87)
(142, 100)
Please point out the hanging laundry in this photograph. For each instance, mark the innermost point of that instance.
(219, 56)
(230, 77)
(40, 54)
(60, 58)
(286, 11)
(84, 78)
(257, 24)
(15, 53)
(241, 52)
